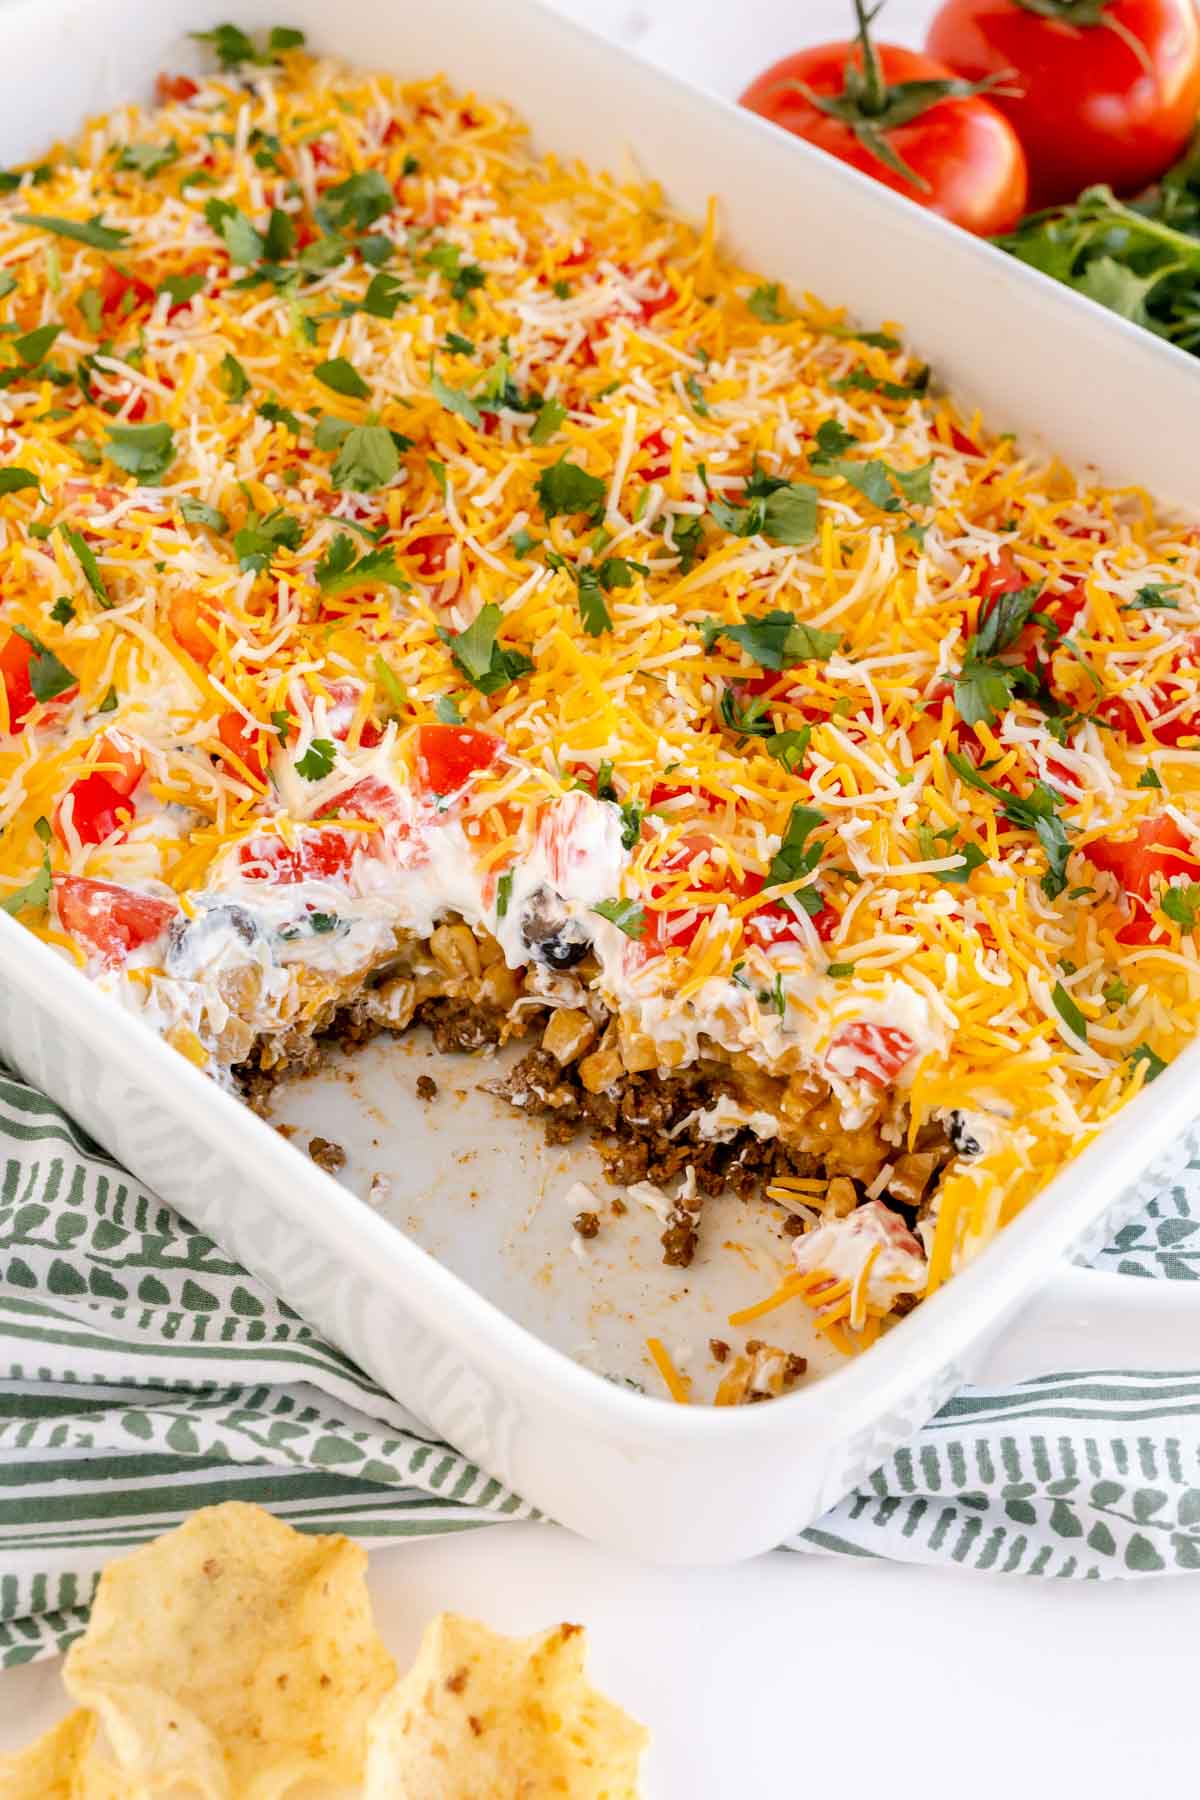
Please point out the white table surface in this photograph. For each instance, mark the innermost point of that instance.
(806, 1674)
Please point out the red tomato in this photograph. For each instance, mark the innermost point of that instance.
(15, 657)
(1141, 864)
(962, 443)
(175, 87)
(101, 802)
(581, 251)
(111, 920)
(344, 696)
(122, 294)
(874, 1053)
(247, 742)
(1143, 722)
(448, 755)
(188, 615)
(964, 159)
(368, 799)
(430, 549)
(656, 448)
(316, 856)
(1111, 100)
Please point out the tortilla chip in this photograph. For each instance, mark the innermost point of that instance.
(480, 1716)
(235, 1655)
(57, 1766)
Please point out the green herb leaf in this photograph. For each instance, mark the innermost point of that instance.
(14, 478)
(93, 232)
(445, 710)
(592, 610)
(197, 512)
(47, 676)
(368, 459)
(179, 289)
(776, 640)
(394, 690)
(455, 400)
(566, 488)
(143, 450)
(31, 348)
(839, 971)
(522, 541)
(274, 414)
(76, 542)
(1149, 778)
(1154, 596)
(282, 723)
(343, 378)
(384, 294)
(318, 760)
(764, 303)
(486, 664)
(357, 202)
(789, 747)
(237, 382)
(147, 159)
(34, 896)
(63, 610)
(1180, 903)
(795, 856)
(109, 702)
(695, 394)
(339, 570)
(256, 543)
(241, 240)
(550, 416)
(1068, 1012)
(1036, 811)
(628, 916)
(1154, 1063)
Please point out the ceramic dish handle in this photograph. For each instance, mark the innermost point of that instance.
(1083, 1319)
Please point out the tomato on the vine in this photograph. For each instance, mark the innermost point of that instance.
(1098, 91)
(904, 119)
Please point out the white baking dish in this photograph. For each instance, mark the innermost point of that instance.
(671, 1483)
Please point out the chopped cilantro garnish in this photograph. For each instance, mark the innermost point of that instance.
(775, 640)
(628, 916)
(357, 202)
(343, 378)
(318, 760)
(550, 416)
(282, 722)
(14, 478)
(76, 541)
(256, 543)
(1068, 1012)
(339, 570)
(566, 488)
(486, 664)
(504, 889)
(93, 232)
(1154, 595)
(765, 305)
(1036, 811)
(143, 450)
(63, 610)
(1154, 1063)
(1149, 778)
(368, 459)
(196, 512)
(237, 382)
(47, 676)
(1181, 904)
(797, 857)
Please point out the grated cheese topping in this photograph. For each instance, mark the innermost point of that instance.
(353, 430)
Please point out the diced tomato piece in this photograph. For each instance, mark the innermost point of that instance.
(448, 755)
(1156, 853)
(175, 87)
(122, 294)
(962, 443)
(112, 921)
(655, 447)
(431, 549)
(664, 791)
(999, 577)
(316, 856)
(101, 802)
(188, 615)
(15, 657)
(247, 742)
(874, 1053)
(344, 695)
(657, 303)
(369, 798)
(581, 251)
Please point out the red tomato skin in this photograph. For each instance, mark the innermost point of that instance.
(113, 921)
(247, 742)
(15, 658)
(1158, 849)
(448, 755)
(1087, 110)
(174, 87)
(964, 149)
(879, 1052)
(102, 801)
(430, 550)
(114, 285)
(317, 856)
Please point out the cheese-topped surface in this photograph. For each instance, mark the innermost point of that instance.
(395, 525)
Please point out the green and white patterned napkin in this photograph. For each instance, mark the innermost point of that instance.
(143, 1374)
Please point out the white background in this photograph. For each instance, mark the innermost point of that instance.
(800, 1674)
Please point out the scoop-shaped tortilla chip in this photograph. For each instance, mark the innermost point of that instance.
(485, 1717)
(235, 1655)
(59, 1766)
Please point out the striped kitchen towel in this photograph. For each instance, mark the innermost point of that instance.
(143, 1374)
